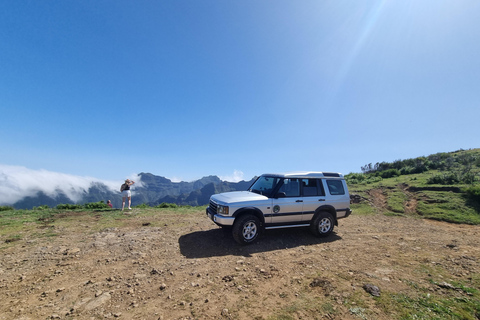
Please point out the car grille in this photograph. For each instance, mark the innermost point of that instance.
(213, 207)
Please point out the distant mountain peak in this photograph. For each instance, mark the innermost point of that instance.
(152, 190)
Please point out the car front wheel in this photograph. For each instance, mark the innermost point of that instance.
(246, 229)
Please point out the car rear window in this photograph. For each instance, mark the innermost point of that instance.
(335, 187)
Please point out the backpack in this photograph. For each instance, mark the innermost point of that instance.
(123, 187)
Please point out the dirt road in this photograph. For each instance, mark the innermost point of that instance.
(177, 266)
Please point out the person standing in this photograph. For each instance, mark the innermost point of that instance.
(126, 193)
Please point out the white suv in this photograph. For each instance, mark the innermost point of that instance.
(296, 199)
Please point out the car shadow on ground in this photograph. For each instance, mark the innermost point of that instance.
(217, 243)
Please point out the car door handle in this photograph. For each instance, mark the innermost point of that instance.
(321, 199)
(299, 201)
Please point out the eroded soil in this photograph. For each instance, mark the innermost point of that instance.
(177, 266)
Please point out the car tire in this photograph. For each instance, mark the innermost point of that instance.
(322, 224)
(246, 229)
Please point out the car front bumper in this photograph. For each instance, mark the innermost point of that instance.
(220, 220)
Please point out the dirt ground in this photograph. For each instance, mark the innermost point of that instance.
(177, 266)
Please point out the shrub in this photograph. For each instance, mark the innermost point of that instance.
(68, 206)
(390, 173)
(407, 170)
(361, 178)
(473, 193)
(44, 207)
(444, 179)
(355, 178)
(468, 178)
(96, 205)
(167, 205)
(142, 206)
(6, 208)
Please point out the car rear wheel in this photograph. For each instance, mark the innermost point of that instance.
(322, 224)
(246, 229)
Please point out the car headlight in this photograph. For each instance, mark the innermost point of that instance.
(223, 210)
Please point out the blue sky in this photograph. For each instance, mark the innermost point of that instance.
(189, 88)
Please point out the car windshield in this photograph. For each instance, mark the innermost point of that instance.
(264, 185)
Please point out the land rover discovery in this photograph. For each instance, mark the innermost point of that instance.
(297, 199)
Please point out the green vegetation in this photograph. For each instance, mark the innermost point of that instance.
(69, 206)
(443, 186)
(473, 193)
(462, 163)
(455, 300)
(427, 306)
(162, 205)
(42, 219)
(142, 206)
(167, 205)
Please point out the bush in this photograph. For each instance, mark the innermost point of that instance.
(44, 207)
(96, 205)
(473, 193)
(68, 206)
(167, 205)
(355, 178)
(468, 178)
(360, 178)
(444, 179)
(142, 206)
(6, 208)
(390, 173)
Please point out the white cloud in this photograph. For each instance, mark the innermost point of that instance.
(236, 177)
(18, 182)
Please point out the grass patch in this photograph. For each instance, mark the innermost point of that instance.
(13, 238)
(305, 305)
(362, 209)
(452, 300)
(447, 206)
(396, 200)
(48, 222)
(15, 221)
(427, 306)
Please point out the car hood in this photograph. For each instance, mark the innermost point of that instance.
(237, 196)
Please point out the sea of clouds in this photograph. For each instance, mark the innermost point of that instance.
(18, 182)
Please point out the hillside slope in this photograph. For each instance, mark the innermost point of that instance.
(442, 186)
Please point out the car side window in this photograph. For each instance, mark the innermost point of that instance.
(312, 187)
(335, 187)
(291, 187)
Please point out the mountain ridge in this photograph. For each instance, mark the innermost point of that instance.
(150, 189)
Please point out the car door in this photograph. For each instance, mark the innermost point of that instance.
(288, 205)
(313, 197)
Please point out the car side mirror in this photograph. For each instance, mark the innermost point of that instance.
(280, 195)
